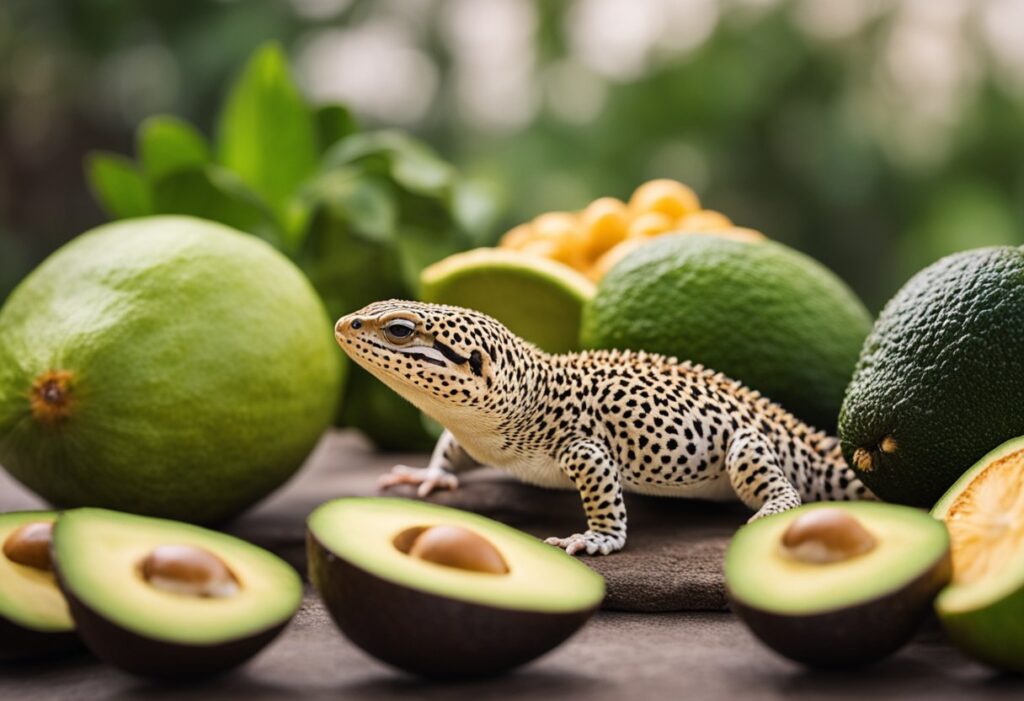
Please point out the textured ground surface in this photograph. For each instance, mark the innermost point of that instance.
(672, 563)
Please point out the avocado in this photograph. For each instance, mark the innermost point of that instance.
(169, 600)
(758, 311)
(443, 593)
(34, 617)
(837, 584)
(983, 608)
(940, 377)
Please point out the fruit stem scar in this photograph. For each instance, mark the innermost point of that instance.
(50, 397)
(863, 460)
(888, 445)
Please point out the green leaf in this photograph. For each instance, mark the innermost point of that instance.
(267, 133)
(348, 270)
(334, 123)
(167, 144)
(420, 171)
(365, 202)
(420, 246)
(475, 206)
(295, 224)
(217, 194)
(410, 163)
(118, 185)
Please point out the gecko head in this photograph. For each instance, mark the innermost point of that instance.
(433, 355)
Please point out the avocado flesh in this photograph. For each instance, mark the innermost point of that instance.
(844, 613)
(29, 597)
(983, 608)
(438, 621)
(130, 623)
(34, 616)
(908, 542)
(540, 578)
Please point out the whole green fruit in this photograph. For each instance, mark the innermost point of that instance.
(940, 381)
(167, 366)
(760, 312)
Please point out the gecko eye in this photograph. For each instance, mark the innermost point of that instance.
(399, 330)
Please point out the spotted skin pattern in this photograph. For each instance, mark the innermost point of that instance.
(599, 422)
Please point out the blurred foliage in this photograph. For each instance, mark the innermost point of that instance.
(876, 143)
(361, 212)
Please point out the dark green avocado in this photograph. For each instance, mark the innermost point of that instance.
(169, 600)
(837, 584)
(940, 380)
(443, 593)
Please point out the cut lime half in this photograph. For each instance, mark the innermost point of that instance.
(539, 299)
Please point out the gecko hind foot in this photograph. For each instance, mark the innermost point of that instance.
(591, 543)
(427, 479)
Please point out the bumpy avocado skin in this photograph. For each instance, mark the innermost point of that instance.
(853, 636)
(429, 635)
(941, 374)
(18, 643)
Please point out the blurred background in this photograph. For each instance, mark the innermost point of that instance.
(876, 135)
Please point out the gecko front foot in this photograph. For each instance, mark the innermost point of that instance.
(776, 506)
(591, 542)
(427, 478)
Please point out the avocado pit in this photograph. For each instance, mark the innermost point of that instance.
(451, 546)
(29, 545)
(822, 536)
(188, 571)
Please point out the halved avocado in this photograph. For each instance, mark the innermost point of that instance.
(34, 617)
(837, 584)
(166, 599)
(983, 608)
(444, 593)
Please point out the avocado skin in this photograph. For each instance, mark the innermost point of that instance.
(854, 636)
(992, 634)
(18, 643)
(942, 373)
(157, 659)
(429, 635)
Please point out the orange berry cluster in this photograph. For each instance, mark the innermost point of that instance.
(593, 240)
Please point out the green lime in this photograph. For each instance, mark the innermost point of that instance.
(539, 299)
(759, 312)
(167, 366)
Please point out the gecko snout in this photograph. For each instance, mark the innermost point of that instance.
(347, 324)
